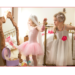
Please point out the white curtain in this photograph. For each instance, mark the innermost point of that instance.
(22, 23)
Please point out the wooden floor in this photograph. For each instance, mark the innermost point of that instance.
(15, 54)
(59, 66)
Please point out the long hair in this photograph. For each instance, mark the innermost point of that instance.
(61, 18)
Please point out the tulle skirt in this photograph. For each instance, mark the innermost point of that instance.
(27, 48)
(59, 52)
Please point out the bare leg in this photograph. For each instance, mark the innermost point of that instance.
(27, 58)
(35, 60)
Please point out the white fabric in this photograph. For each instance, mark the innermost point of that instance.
(59, 52)
(40, 58)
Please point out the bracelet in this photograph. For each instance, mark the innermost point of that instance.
(43, 28)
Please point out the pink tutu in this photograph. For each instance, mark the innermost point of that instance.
(27, 48)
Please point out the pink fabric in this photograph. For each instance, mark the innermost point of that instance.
(27, 48)
(8, 39)
(43, 33)
(31, 46)
(43, 28)
(50, 32)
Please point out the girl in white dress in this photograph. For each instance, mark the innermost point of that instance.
(60, 51)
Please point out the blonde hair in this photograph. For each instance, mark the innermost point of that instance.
(61, 18)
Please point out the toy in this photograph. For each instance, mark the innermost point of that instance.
(24, 64)
(29, 62)
(6, 56)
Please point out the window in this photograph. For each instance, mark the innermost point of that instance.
(4, 10)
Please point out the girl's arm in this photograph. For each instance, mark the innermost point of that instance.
(39, 29)
(70, 27)
(43, 27)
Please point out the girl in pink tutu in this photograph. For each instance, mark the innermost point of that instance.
(32, 46)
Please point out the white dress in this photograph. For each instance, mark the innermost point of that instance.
(60, 51)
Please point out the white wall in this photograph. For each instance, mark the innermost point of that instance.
(41, 13)
(70, 15)
(49, 13)
(0, 11)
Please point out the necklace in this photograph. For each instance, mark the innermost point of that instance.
(61, 29)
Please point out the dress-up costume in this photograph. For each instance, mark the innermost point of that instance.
(60, 51)
(31, 46)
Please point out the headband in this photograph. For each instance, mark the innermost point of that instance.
(32, 17)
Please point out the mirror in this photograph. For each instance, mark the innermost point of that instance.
(7, 28)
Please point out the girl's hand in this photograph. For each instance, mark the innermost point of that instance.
(44, 21)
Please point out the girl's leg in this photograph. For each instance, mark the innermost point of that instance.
(27, 58)
(35, 60)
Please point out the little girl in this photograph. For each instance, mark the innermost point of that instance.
(32, 47)
(61, 52)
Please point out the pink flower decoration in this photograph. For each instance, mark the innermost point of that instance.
(64, 38)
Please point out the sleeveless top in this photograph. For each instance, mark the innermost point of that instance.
(62, 33)
(33, 35)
